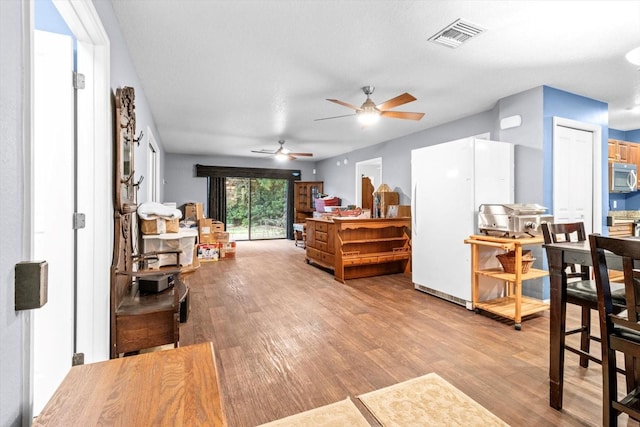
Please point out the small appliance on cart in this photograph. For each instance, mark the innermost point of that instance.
(507, 228)
(512, 220)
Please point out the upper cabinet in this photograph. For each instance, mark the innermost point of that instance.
(617, 152)
(624, 152)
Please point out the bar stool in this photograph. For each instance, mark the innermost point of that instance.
(581, 291)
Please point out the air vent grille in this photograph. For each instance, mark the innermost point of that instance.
(456, 33)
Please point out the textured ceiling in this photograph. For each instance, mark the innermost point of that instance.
(228, 77)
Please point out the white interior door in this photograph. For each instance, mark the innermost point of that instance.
(573, 176)
(53, 175)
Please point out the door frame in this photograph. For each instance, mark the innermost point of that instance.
(364, 166)
(94, 189)
(596, 145)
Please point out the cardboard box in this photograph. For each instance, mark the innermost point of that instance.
(159, 226)
(220, 236)
(207, 229)
(192, 211)
(208, 252)
(395, 211)
(227, 250)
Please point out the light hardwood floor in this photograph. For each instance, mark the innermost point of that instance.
(289, 338)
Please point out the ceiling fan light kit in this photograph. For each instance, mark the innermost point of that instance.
(369, 113)
(282, 153)
(633, 56)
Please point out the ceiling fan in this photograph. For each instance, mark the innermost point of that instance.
(369, 113)
(282, 153)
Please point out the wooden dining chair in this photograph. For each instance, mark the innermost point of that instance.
(581, 291)
(620, 330)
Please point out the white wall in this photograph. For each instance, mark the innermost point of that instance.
(183, 186)
(12, 250)
(396, 157)
(123, 73)
(13, 48)
(528, 137)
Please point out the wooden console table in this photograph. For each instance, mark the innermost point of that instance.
(513, 305)
(177, 387)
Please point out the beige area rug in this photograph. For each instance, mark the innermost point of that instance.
(426, 401)
(339, 414)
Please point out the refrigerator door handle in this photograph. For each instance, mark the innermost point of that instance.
(414, 207)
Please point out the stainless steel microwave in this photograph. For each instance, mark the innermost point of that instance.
(623, 177)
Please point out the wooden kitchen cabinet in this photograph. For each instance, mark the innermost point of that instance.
(621, 230)
(512, 305)
(305, 194)
(618, 151)
(321, 242)
(633, 155)
(624, 152)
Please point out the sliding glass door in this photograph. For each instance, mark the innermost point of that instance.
(256, 208)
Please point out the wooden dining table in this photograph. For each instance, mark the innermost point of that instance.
(176, 387)
(559, 255)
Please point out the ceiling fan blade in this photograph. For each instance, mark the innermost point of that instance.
(402, 115)
(345, 104)
(334, 117)
(301, 154)
(394, 102)
(263, 152)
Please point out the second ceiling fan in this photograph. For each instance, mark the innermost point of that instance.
(283, 153)
(369, 112)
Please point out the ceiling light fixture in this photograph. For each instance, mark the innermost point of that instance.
(633, 56)
(369, 114)
(368, 118)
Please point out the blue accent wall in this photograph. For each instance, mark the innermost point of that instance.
(629, 135)
(632, 135)
(625, 201)
(574, 107)
(558, 103)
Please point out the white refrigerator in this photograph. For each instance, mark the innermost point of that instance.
(449, 182)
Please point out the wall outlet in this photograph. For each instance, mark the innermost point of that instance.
(615, 204)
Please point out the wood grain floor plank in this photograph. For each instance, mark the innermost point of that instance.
(289, 338)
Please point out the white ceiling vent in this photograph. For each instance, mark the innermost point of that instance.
(456, 33)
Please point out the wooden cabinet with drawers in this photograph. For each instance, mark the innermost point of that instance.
(321, 243)
(305, 193)
(355, 248)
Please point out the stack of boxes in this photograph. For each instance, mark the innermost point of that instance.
(213, 241)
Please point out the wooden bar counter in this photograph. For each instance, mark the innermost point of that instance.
(177, 387)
